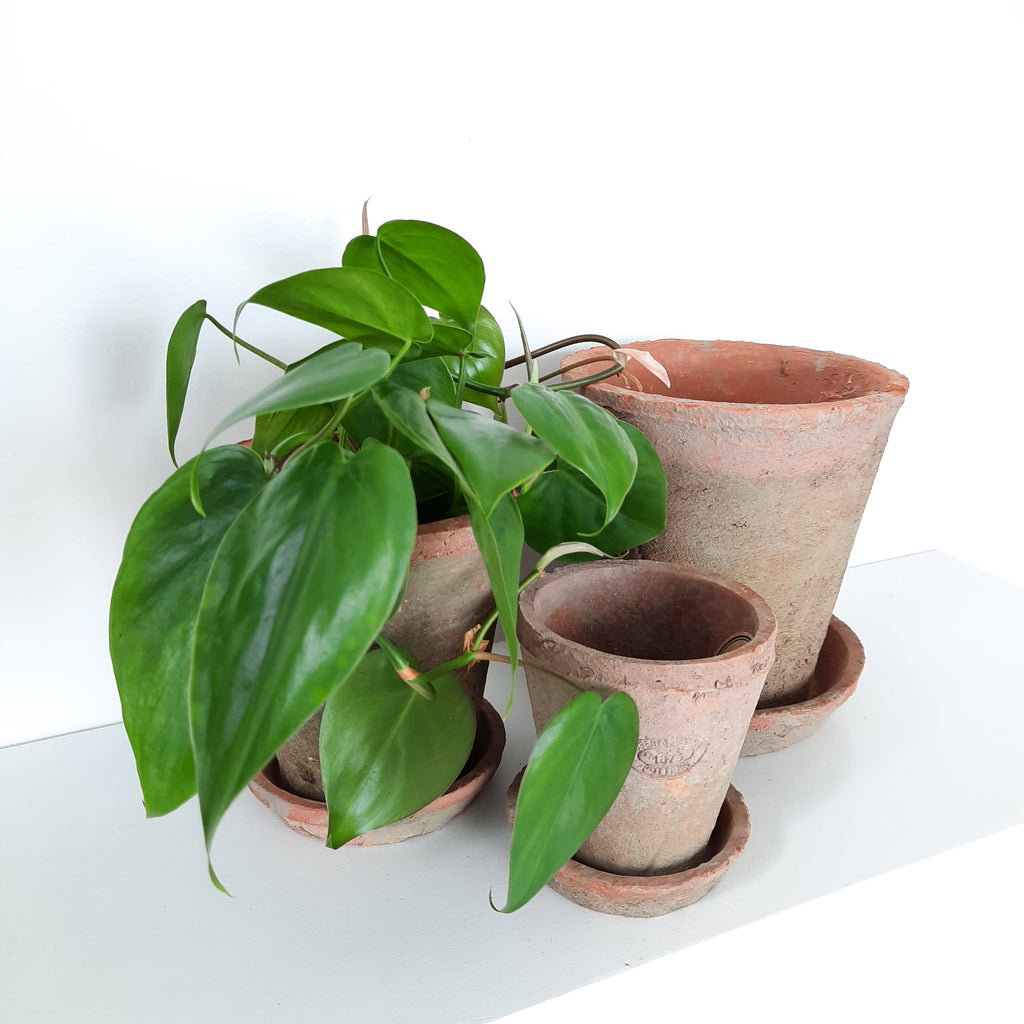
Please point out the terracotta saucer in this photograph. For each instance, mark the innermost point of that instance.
(309, 817)
(652, 895)
(839, 666)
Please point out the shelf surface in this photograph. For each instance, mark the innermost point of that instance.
(103, 908)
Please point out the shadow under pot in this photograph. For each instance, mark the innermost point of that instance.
(654, 630)
(448, 594)
(770, 452)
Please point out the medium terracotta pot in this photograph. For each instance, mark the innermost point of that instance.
(770, 454)
(653, 630)
(448, 594)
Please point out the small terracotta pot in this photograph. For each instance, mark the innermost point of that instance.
(448, 594)
(652, 630)
(770, 453)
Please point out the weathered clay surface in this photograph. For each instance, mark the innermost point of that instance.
(770, 453)
(652, 630)
(448, 594)
(652, 895)
(839, 666)
(309, 817)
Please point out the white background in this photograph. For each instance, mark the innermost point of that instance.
(837, 175)
(841, 176)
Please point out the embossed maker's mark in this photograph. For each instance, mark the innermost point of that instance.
(667, 758)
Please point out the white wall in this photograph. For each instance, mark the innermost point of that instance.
(842, 176)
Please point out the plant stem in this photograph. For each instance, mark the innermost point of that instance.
(460, 383)
(505, 660)
(568, 385)
(576, 365)
(249, 348)
(403, 669)
(327, 429)
(576, 339)
(476, 654)
(397, 358)
(470, 656)
(486, 389)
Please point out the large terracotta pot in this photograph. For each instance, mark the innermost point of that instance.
(770, 454)
(653, 630)
(448, 594)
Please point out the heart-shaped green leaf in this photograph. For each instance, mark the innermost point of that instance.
(395, 411)
(585, 436)
(359, 304)
(494, 458)
(153, 612)
(301, 585)
(562, 504)
(574, 775)
(181, 355)
(438, 266)
(386, 751)
(338, 372)
(407, 412)
(448, 338)
(430, 375)
(362, 252)
(435, 473)
(485, 360)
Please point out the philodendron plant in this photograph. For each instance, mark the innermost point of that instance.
(256, 580)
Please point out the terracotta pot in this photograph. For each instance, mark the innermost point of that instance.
(770, 453)
(652, 630)
(448, 594)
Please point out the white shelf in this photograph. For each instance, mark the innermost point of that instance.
(103, 909)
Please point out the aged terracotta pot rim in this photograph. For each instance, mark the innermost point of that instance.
(433, 539)
(897, 386)
(758, 647)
